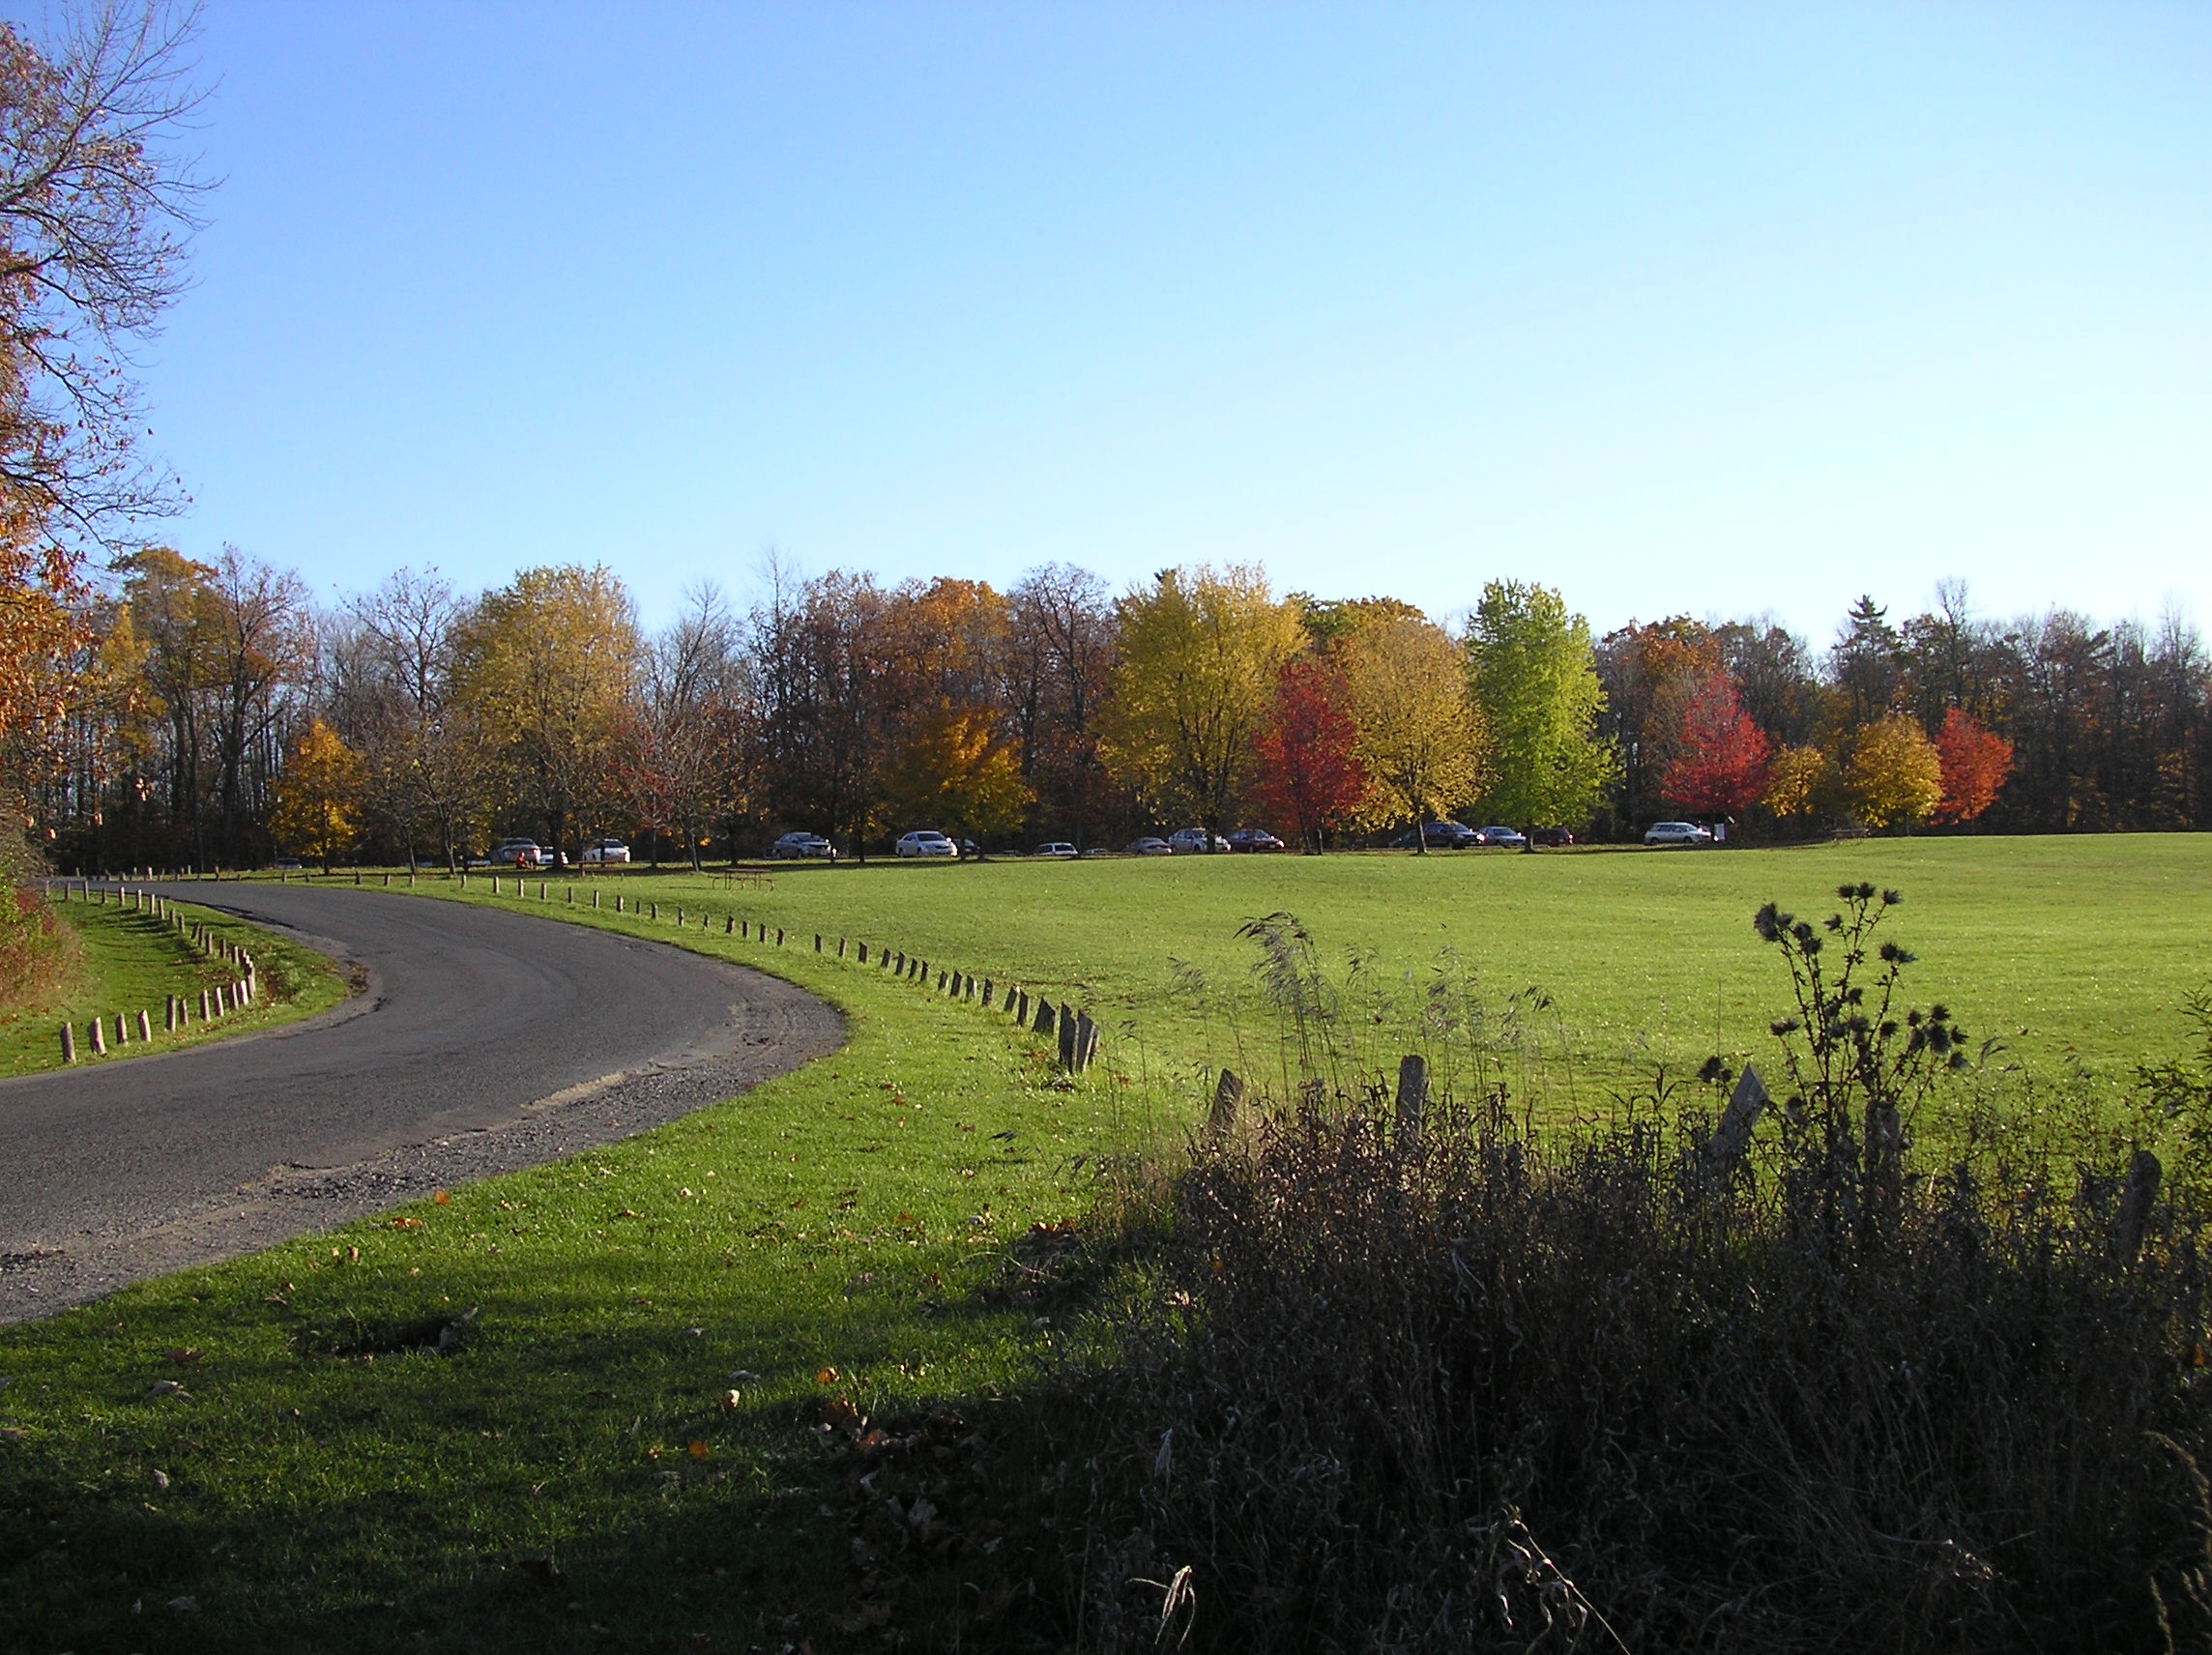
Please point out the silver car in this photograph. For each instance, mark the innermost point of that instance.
(1678, 833)
(926, 842)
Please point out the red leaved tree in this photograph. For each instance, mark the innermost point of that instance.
(1721, 767)
(1308, 775)
(1975, 763)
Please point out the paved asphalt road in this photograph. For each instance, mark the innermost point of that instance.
(481, 1041)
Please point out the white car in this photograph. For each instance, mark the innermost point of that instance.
(1189, 841)
(800, 846)
(521, 853)
(1678, 833)
(926, 842)
(604, 851)
(1056, 848)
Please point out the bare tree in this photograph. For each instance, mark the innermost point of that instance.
(95, 210)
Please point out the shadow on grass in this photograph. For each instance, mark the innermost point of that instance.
(579, 1468)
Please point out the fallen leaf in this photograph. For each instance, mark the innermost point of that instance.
(17, 1434)
(184, 1606)
(732, 1401)
(827, 1377)
(161, 1479)
(443, 1199)
(406, 1223)
(699, 1450)
(166, 1387)
(181, 1354)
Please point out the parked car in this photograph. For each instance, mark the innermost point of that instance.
(1149, 846)
(287, 864)
(968, 849)
(1254, 839)
(796, 846)
(1507, 839)
(605, 852)
(1190, 841)
(1056, 848)
(926, 842)
(1438, 836)
(1678, 833)
(519, 853)
(1552, 838)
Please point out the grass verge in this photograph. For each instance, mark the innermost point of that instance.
(125, 961)
(613, 1448)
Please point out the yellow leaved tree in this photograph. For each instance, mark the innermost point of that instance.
(1896, 774)
(1421, 737)
(1201, 653)
(318, 797)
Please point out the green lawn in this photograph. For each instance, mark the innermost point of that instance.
(125, 961)
(2073, 951)
(830, 1234)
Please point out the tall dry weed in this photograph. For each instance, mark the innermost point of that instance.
(1487, 1388)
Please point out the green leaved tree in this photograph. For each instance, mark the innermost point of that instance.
(1534, 675)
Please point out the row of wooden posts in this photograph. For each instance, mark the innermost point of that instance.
(1075, 1032)
(217, 1002)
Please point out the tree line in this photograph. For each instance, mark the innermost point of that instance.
(217, 715)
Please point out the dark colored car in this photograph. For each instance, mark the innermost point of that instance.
(1552, 838)
(1254, 839)
(1439, 837)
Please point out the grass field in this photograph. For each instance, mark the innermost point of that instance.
(578, 1475)
(125, 961)
(2073, 951)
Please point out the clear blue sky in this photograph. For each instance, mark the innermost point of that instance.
(1677, 308)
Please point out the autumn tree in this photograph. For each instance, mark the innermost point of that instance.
(1310, 775)
(1896, 776)
(318, 795)
(1794, 777)
(1650, 673)
(1975, 764)
(1200, 651)
(1534, 675)
(1721, 763)
(547, 667)
(1421, 739)
(958, 771)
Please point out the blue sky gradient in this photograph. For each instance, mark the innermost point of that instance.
(1679, 308)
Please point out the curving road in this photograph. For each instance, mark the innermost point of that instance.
(480, 1041)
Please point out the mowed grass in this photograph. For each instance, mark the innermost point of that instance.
(835, 1233)
(577, 1475)
(124, 962)
(2074, 952)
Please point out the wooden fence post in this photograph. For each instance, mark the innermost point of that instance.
(2136, 1201)
(1731, 1141)
(68, 1044)
(99, 1039)
(1412, 1100)
(1228, 1099)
